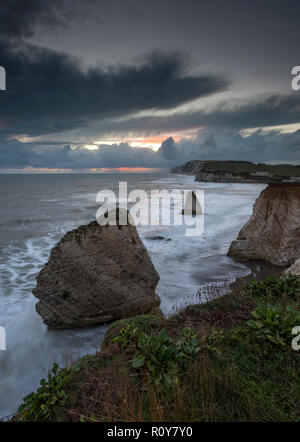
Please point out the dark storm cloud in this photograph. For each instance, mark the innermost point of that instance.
(168, 149)
(50, 92)
(255, 112)
(259, 111)
(229, 144)
(19, 18)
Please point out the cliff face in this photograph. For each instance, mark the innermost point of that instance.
(189, 168)
(238, 171)
(272, 233)
(203, 171)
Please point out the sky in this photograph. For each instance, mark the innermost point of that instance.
(140, 85)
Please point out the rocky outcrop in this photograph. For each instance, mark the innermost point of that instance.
(272, 233)
(192, 205)
(294, 269)
(96, 274)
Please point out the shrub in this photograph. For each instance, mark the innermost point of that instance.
(273, 289)
(45, 403)
(159, 356)
(212, 341)
(274, 324)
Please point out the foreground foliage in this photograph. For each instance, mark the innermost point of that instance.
(161, 358)
(227, 360)
(287, 286)
(273, 323)
(49, 397)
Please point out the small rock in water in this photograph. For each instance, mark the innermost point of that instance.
(158, 238)
(192, 205)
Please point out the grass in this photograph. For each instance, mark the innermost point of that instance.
(280, 170)
(207, 363)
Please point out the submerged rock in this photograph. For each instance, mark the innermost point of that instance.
(272, 233)
(157, 238)
(96, 274)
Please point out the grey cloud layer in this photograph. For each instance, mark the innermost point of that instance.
(259, 111)
(217, 144)
(14, 154)
(49, 92)
(229, 144)
(19, 18)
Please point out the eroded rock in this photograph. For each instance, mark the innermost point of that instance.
(96, 274)
(272, 233)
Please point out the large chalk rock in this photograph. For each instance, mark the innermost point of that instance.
(96, 274)
(272, 233)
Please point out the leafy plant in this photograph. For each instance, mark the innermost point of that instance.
(158, 355)
(273, 289)
(274, 324)
(43, 404)
(128, 336)
(212, 340)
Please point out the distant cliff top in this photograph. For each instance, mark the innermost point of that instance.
(239, 171)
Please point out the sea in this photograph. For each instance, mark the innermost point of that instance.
(38, 209)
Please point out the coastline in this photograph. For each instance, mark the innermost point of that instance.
(186, 255)
(259, 270)
(238, 172)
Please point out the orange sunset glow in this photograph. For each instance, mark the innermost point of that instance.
(152, 142)
(125, 169)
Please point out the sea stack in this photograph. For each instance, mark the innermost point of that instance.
(192, 205)
(96, 274)
(272, 233)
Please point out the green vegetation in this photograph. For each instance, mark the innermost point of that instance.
(287, 286)
(274, 324)
(159, 357)
(230, 359)
(246, 167)
(49, 398)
